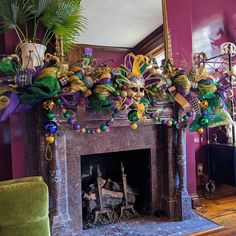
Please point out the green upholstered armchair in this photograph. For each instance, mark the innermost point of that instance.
(24, 207)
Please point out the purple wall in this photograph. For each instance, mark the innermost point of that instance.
(207, 23)
(13, 147)
(112, 58)
(180, 26)
(208, 18)
(194, 26)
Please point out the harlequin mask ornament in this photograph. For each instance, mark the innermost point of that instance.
(135, 89)
(131, 80)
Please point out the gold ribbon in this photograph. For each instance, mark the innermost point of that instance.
(4, 102)
(136, 65)
(180, 99)
(141, 109)
(49, 71)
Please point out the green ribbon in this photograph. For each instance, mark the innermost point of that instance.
(40, 90)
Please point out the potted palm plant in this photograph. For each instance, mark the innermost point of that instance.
(60, 18)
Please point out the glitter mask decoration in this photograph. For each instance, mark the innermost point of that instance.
(129, 77)
(136, 89)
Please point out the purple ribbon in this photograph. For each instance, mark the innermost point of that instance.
(106, 80)
(14, 106)
(70, 99)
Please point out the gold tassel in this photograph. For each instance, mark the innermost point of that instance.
(48, 153)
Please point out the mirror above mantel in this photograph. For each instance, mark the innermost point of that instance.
(128, 26)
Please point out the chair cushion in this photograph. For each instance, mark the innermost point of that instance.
(36, 228)
(23, 202)
(22, 180)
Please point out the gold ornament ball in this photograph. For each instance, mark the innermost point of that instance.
(63, 110)
(51, 105)
(204, 104)
(123, 94)
(82, 130)
(133, 126)
(169, 123)
(98, 131)
(50, 139)
(45, 105)
(200, 130)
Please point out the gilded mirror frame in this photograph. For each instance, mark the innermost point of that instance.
(167, 36)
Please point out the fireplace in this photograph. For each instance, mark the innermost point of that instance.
(125, 186)
(153, 157)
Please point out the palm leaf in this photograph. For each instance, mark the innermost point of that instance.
(13, 13)
(39, 6)
(65, 19)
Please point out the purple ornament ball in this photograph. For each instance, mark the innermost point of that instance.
(165, 86)
(164, 122)
(76, 126)
(108, 123)
(118, 98)
(71, 121)
(190, 114)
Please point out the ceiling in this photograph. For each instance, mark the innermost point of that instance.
(119, 23)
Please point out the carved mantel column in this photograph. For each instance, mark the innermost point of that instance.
(54, 172)
(182, 194)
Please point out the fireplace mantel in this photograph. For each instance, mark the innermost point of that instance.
(63, 172)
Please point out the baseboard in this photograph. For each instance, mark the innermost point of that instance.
(196, 204)
(208, 231)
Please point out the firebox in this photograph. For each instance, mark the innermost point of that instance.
(123, 180)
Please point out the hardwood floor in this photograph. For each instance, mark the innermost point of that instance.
(221, 211)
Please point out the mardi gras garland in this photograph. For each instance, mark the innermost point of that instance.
(136, 86)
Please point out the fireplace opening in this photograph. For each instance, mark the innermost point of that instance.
(115, 186)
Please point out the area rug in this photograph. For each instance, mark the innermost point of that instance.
(151, 226)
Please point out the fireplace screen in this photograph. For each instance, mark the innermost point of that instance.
(115, 186)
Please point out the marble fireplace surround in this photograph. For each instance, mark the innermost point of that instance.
(63, 172)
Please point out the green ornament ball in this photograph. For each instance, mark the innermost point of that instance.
(103, 127)
(117, 93)
(133, 116)
(185, 118)
(58, 101)
(203, 121)
(50, 115)
(67, 115)
(174, 122)
(154, 89)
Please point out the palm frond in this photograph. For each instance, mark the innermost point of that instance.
(39, 6)
(65, 19)
(13, 13)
